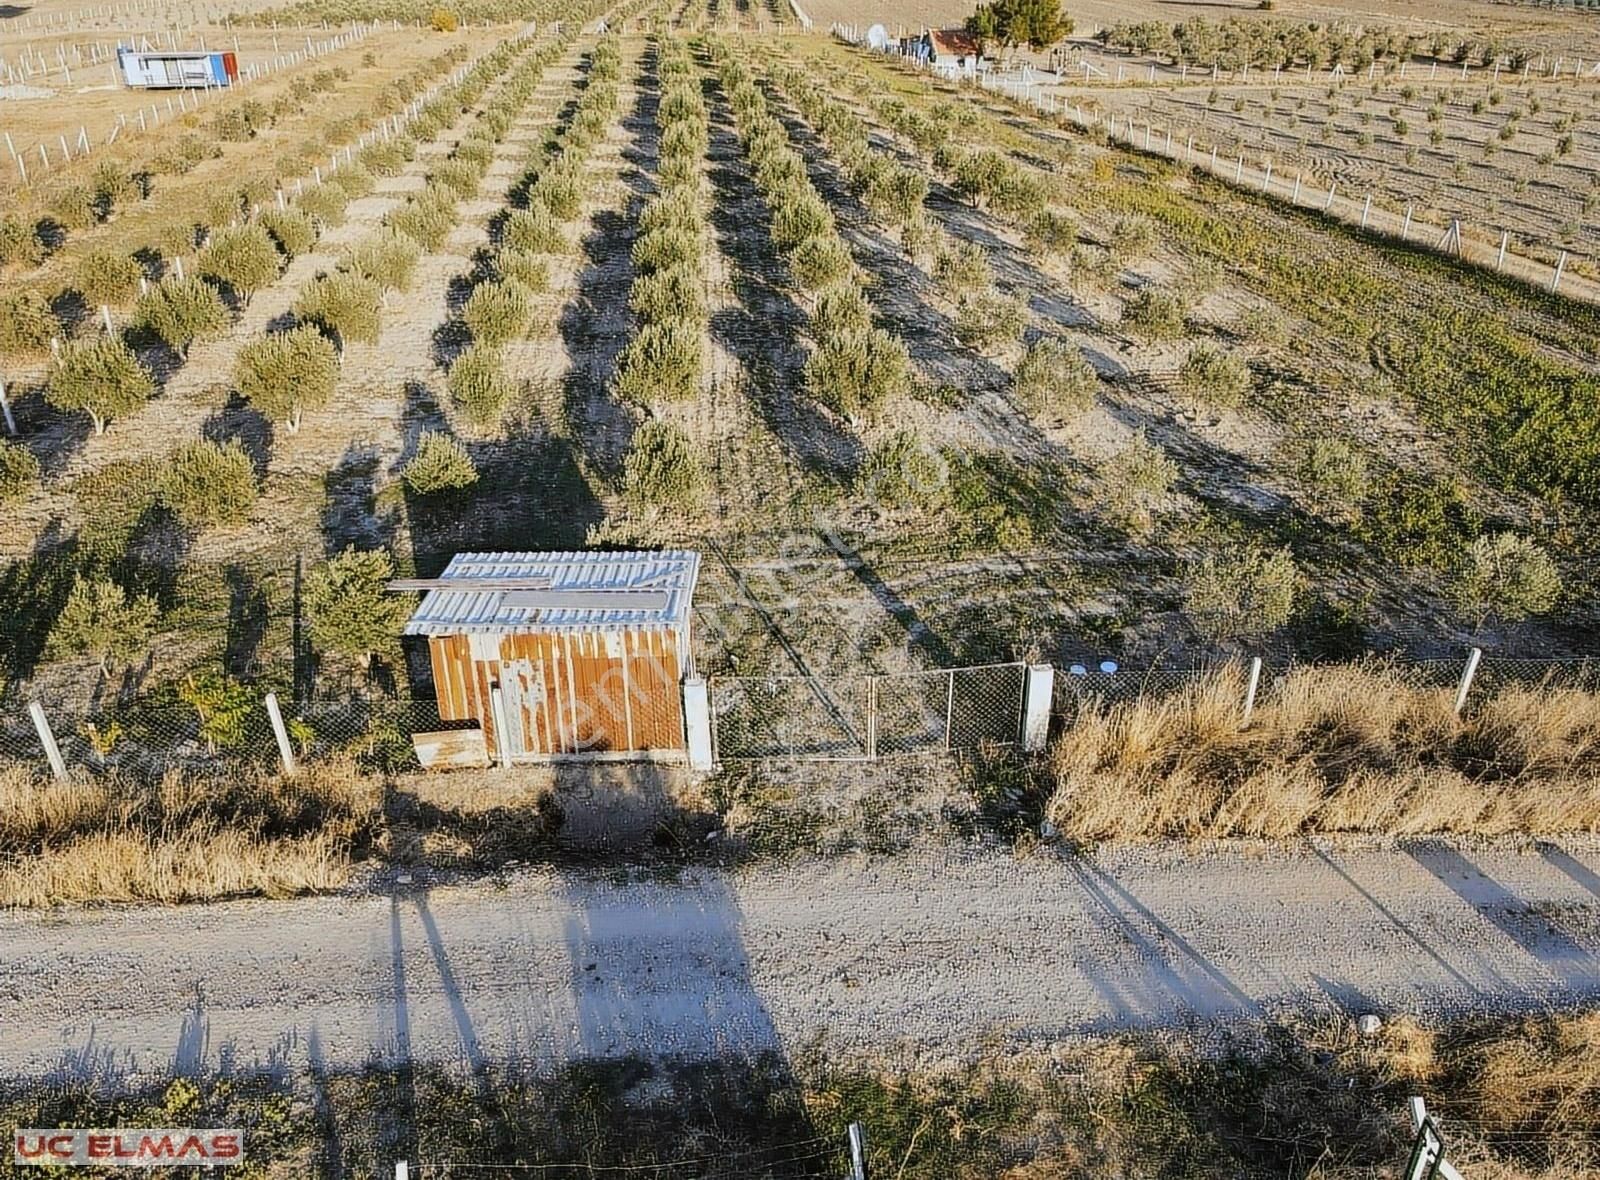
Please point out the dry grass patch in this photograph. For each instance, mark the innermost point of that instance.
(183, 838)
(1357, 748)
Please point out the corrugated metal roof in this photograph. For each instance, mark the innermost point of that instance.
(462, 612)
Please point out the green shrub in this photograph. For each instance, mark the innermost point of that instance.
(978, 175)
(841, 308)
(354, 181)
(104, 276)
(667, 247)
(244, 259)
(1136, 479)
(287, 373)
(1052, 232)
(988, 321)
(348, 609)
(291, 230)
(19, 471)
(74, 207)
(801, 216)
(100, 619)
(1420, 522)
(662, 468)
(960, 268)
(819, 261)
(528, 269)
(1155, 314)
(480, 387)
(19, 243)
(1053, 380)
(559, 192)
(460, 177)
(324, 205)
(904, 472)
(1241, 592)
(181, 311)
(661, 363)
(534, 230)
(427, 219)
(896, 195)
(102, 378)
(1507, 576)
(678, 209)
(26, 323)
(674, 295)
(858, 372)
(1335, 476)
(209, 484)
(441, 464)
(1131, 237)
(387, 258)
(1214, 377)
(498, 312)
(1264, 326)
(343, 304)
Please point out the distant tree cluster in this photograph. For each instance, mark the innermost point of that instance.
(1038, 24)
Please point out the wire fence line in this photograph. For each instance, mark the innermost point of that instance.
(223, 727)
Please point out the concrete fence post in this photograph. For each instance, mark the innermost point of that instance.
(1250, 687)
(697, 723)
(47, 739)
(1474, 657)
(281, 734)
(1038, 690)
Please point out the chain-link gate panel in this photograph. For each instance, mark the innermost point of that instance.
(790, 717)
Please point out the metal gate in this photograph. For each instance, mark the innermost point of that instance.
(861, 718)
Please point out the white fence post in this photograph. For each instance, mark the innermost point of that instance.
(1250, 687)
(1467, 673)
(858, 1152)
(1037, 691)
(697, 723)
(402, 1171)
(47, 739)
(285, 750)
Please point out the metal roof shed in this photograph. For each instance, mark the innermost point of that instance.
(587, 650)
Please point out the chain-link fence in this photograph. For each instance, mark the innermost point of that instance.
(866, 717)
(223, 725)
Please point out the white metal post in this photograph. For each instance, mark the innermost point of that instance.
(1250, 687)
(1474, 657)
(47, 739)
(697, 723)
(502, 728)
(285, 750)
(1038, 689)
(858, 1152)
(402, 1171)
(5, 406)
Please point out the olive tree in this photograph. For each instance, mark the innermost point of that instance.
(344, 305)
(1214, 377)
(1136, 478)
(19, 471)
(244, 259)
(1241, 591)
(904, 472)
(348, 609)
(661, 363)
(181, 311)
(102, 378)
(1508, 576)
(209, 484)
(478, 385)
(26, 322)
(858, 372)
(663, 469)
(105, 276)
(498, 312)
(988, 321)
(441, 464)
(387, 258)
(291, 230)
(102, 620)
(287, 373)
(1053, 380)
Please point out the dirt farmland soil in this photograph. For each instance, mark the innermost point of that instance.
(923, 959)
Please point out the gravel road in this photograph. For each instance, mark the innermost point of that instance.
(922, 957)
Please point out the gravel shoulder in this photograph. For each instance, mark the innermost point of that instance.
(922, 959)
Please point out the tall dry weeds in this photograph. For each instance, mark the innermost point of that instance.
(1352, 748)
(186, 837)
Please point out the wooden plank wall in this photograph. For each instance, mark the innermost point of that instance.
(579, 692)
